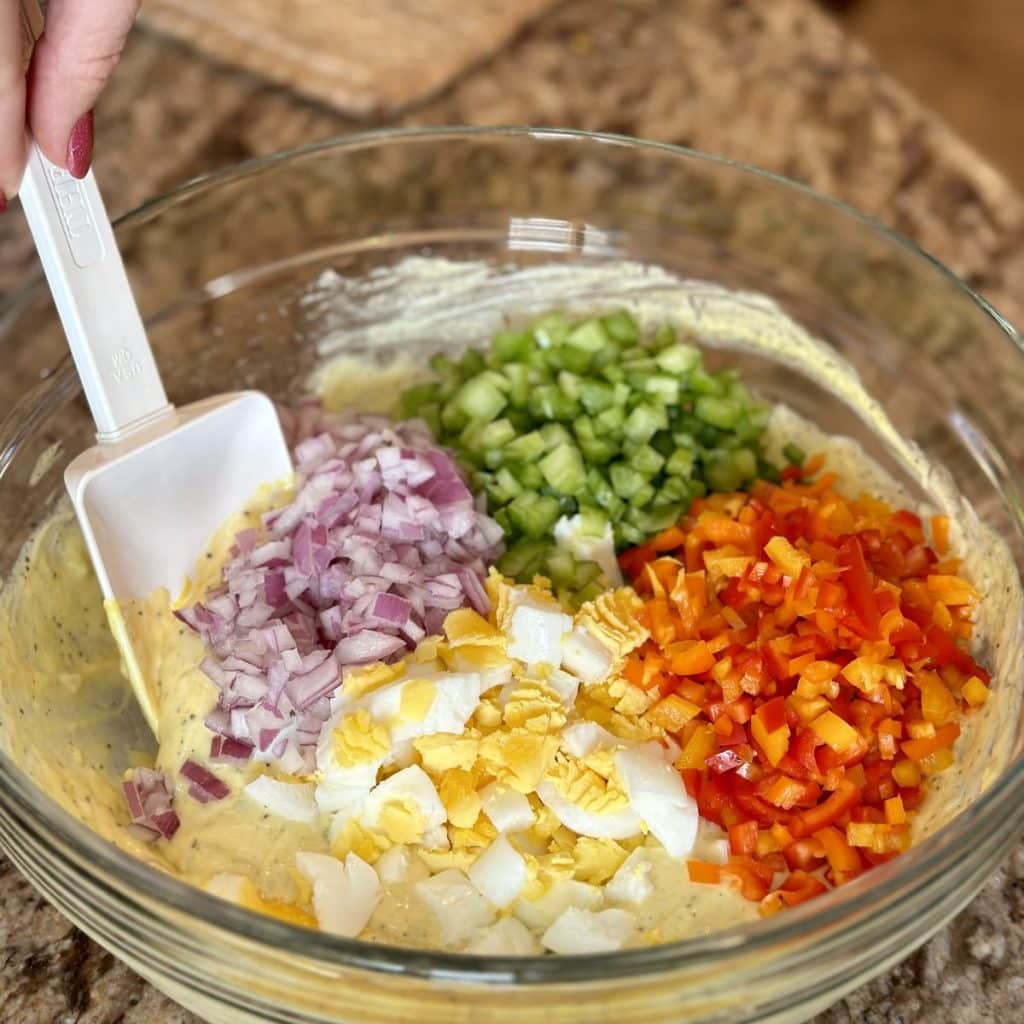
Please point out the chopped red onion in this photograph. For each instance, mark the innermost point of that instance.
(229, 751)
(382, 540)
(149, 798)
(205, 786)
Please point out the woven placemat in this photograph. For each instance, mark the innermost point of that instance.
(365, 57)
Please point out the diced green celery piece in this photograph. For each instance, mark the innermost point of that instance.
(567, 357)
(666, 335)
(610, 420)
(593, 523)
(554, 434)
(479, 399)
(551, 329)
(729, 470)
(680, 463)
(563, 469)
(613, 373)
(453, 419)
(676, 489)
(497, 434)
(663, 388)
(627, 535)
(643, 497)
(622, 327)
(500, 516)
(621, 392)
(518, 376)
(598, 451)
(511, 346)
(703, 383)
(769, 472)
(493, 457)
(523, 559)
(533, 514)
(550, 403)
(595, 395)
(794, 454)
(414, 398)
(570, 384)
(663, 444)
(722, 413)
(583, 428)
(520, 419)
(560, 567)
(625, 480)
(647, 461)
(678, 359)
(531, 478)
(589, 336)
(506, 480)
(526, 447)
(446, 369)
(644, 422)
(471, 362)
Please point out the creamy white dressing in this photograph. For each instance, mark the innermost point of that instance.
(59, 666)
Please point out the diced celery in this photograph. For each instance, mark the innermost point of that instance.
(727, 471)
(662, 388)
(549, 402)
(507, 482)
(625, 480)
(518, 376)
(766, 471)
(523, 559)
(479, 399)
(678, 359)
(644, 422)
(680, 463)
(554, 434)
(643, 496)
(722, 413)
(622, 327)
(526, 447)
(646, 460)
(570, 384)
(563, 469)
(794, 454)
(510, 347)
(551, 329)
(610, 420)
(533, 514)
(595, 395)
(598, 451)
(496, 434)
(589, 336)
(471, 362)
(530, 477)
(593, 523)
(704, 383)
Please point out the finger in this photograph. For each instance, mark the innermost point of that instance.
(72, 62)
(12, 99)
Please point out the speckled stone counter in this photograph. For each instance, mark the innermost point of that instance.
(775, 84)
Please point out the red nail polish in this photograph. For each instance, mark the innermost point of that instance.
(80, 146)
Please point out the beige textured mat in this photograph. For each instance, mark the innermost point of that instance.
(365, 57)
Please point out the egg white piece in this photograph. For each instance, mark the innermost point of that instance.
(399, 864)
(456, 696)
(581, 739)
(542, 912)
(291, 801)
(657, 795)
(565, 685)
(508, 810)
(227, 886)
(454, 901)
(410, 785)
(587, 547)
(586, 657)
(507, 937)
(584, 931)
(336, 796)
(621, 824)
(344, 895)
(490, 676)
(536, 633)
(632, 882)
(499, 873)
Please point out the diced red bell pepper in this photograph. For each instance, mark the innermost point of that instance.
(842, 801)
(859, 585)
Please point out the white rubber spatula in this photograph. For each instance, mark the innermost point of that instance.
(160, 480)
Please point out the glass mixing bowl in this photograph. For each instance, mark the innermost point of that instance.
(229, 275)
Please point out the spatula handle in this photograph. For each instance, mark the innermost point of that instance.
(76, 245)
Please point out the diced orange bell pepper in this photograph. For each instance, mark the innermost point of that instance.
(838, 803)
(704, 873)
(918, 749)
(689, 657)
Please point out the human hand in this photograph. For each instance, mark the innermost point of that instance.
(71, 63)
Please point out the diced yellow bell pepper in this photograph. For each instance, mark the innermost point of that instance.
(834, 731)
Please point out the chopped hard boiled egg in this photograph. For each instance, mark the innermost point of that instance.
(507, 937)
(499, 873)
(399, 864)
(631, 883)
(586, 657)
(509, 810)
(584, 931)
(541, 913)
(345, 895)
(407, 808)
(657, 795)
(289, 800)
(459, 908)
(537, 631)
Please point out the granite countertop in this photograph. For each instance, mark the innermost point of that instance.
(777, 85)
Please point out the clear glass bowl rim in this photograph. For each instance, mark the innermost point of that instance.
(111, 868)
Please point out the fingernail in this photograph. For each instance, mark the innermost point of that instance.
(80, 146)
(3, 202)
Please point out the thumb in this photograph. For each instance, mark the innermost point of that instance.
(73, 59)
